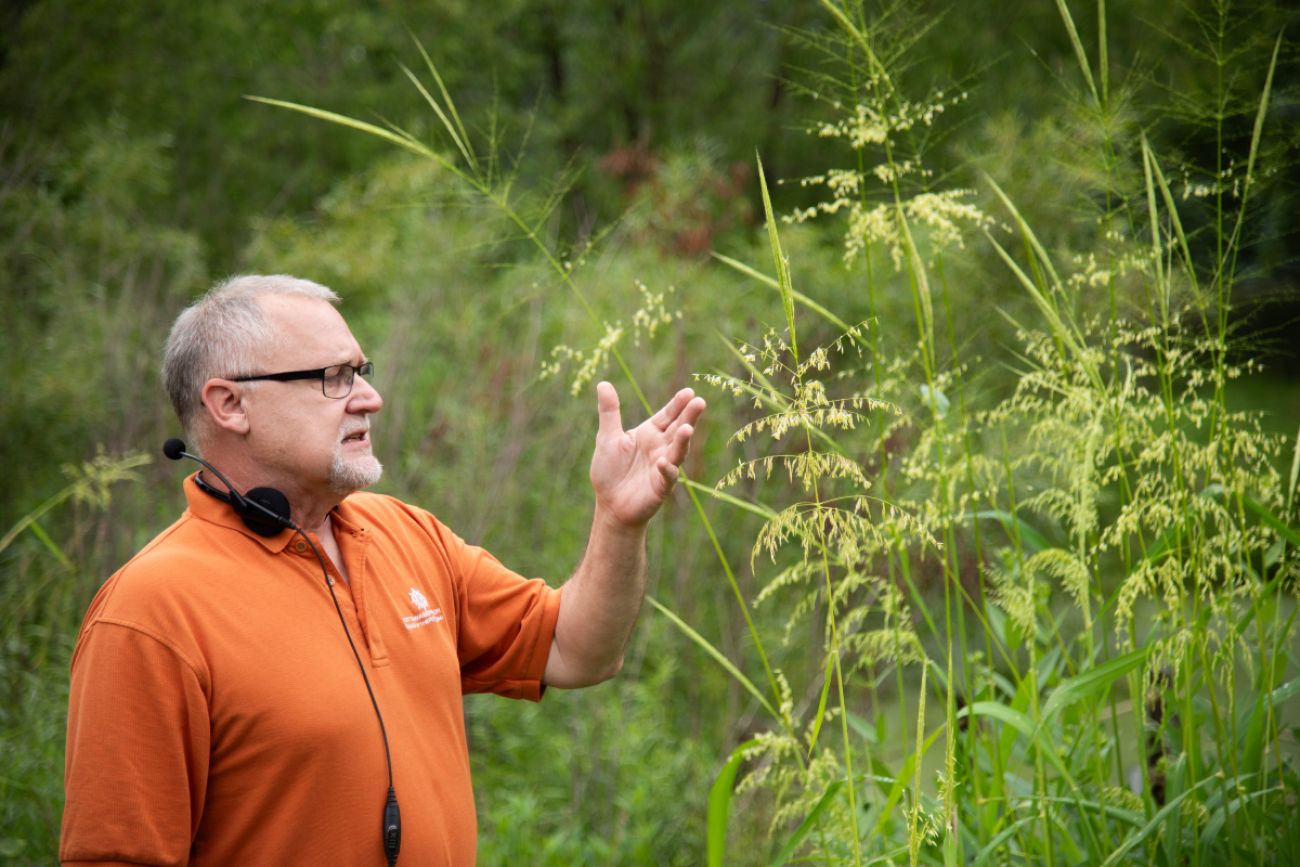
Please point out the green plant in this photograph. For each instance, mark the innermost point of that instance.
(42, 598)
(1112, 629)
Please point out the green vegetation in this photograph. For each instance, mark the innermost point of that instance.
(989, 548)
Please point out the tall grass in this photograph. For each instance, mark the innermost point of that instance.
(1053, 623)
(1023, 588)
(43, 595)
(1083, 593)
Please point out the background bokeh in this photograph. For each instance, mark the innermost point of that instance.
(134, 174)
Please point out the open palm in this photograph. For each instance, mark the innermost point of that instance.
(633, 471)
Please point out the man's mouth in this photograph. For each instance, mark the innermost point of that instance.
(356, 436)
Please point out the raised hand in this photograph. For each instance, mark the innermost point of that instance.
(633, 471)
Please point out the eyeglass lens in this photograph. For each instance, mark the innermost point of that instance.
(337, 380)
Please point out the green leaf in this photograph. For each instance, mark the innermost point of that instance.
(757, 508)
(809, 822)
(1025, 726)
(50, 545)
(458, 134)
(1091, 682)
(1079, 54)
(1000, 712)
(905, 772)
(1260, 511)
(821, 704)
(703, 644)
(1140, 836)
(442, 116)
(778, 259)
(720, 804)
(864, 728)
(404, 141)
(1171, 208)
(798, 296)
(1286, 691)
(995, 844)
(941, 404)
(1267, 517)
(1295, 473)
(1030, 539)
(1253, 733)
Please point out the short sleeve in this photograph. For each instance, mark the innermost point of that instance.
(506, 626)
(137, 750)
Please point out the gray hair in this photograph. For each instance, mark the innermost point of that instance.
(218, 336)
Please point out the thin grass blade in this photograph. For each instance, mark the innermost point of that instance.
(899, 784)
(757, 508)
(1025, 726)
(1295, 473)
(821, 704)
(803, 299)
(1267, 517)
(1092, 682)
(860, 38)
(1256, 135)
(1171, 209)
(1153, 217)
(719, 808)
(1079, 54)
(810, 821)
(463, 136)
(779, 260)
(442, 116)
(727, 664)
(405, 142)
(1140, 836)
(1030, 539)
(1049, 311)
(994, 845)
(50, 545)
(1103, 58)
(1027, 231)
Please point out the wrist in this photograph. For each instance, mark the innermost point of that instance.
(606, 521)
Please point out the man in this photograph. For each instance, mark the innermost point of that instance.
(218, 714)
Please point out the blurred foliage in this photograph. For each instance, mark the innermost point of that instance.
(133, 174)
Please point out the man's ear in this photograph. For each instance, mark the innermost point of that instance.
(224, 403)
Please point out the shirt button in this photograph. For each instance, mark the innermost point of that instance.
(300, 546)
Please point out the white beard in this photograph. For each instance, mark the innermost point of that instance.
(348, 475)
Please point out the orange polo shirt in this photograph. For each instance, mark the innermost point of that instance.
(217, 715)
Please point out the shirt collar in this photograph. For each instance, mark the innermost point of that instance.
(208, 508)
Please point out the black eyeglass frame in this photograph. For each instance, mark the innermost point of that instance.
(366, 370)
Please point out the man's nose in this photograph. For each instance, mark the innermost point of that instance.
(365, 398)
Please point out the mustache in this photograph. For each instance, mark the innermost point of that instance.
(360, 427)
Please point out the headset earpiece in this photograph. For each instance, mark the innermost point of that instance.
(260, 522)
(265, 511)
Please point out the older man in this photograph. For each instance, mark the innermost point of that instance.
(221, 713)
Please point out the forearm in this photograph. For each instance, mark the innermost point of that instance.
(599, 605)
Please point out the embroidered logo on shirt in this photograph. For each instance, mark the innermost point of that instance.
(424, 615)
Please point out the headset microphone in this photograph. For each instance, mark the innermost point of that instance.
(266, 512)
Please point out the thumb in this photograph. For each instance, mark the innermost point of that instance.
(611, 423)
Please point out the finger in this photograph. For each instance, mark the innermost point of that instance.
(611, 423)
(672, 409)
(669, 471)
(680, 444)
(690, 413)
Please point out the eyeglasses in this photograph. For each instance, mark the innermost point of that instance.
(335, 380)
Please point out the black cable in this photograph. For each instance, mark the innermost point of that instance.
(174, 449)
(392, 823)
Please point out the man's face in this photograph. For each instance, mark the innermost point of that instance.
(300, 438)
